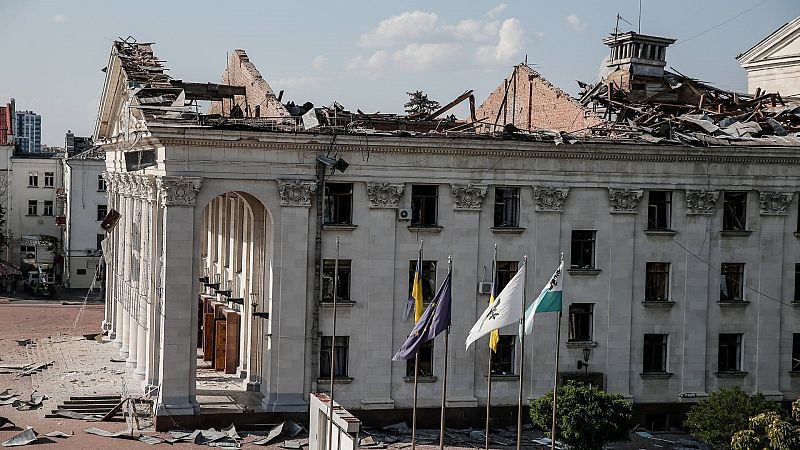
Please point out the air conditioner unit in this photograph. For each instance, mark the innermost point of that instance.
(89, 251)
(485, 287)
(403, 214)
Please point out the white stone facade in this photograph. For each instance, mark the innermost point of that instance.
(773, 65)
(86, 202)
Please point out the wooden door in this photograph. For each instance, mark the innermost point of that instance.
(220, 344)
(232, 341)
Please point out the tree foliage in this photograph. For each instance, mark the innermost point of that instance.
(586, 418)
(770, 431)
(418, 103)
(723, 413)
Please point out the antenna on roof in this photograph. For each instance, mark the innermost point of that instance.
(640, 17)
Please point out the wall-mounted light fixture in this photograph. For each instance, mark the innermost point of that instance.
(587, 352)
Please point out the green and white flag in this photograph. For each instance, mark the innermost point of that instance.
(549, 299)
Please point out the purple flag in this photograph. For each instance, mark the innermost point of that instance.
(434, 320)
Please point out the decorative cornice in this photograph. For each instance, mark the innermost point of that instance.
(296, 192)
(179, 191)
(701, 201)
(384, 195)
(550, 199)
(624, 201)
(468, 196)
(774, 203)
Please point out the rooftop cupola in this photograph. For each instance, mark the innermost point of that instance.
(639, 53)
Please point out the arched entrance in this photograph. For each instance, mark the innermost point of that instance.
(236, 275)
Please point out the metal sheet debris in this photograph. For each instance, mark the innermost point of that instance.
(59, 434)
(123, 434)
(4, 421)
(26, 437)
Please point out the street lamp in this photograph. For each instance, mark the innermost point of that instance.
(587, 352)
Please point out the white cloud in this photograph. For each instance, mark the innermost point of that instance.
(58, 18)
(372, 65)
(420, 57)
(473, 30)
(511, 41)
(492, 13)
(575, 22)
(319, 62)
(401, 28)
(295, 82)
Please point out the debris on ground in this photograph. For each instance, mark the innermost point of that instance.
(4, 421)
(287, 428)
(26, 437)
(59, 434)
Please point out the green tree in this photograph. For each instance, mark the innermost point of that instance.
(586, 418)
(723, 413)
(418, 103)
(770, 431)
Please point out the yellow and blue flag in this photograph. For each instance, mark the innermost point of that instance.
(415, 299)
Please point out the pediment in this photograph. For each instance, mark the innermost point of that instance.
(781, 44)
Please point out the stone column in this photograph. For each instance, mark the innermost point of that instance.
(178, 359)
(156, 262)
(109, 322)
(135, 275)
(147, 194)
(124, 316)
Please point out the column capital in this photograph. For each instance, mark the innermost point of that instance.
(384, 195)
(774, 203)
(550, 198)
(148, 188)
(179, 191)
(624, 200)
(296, 192)
(110, 179)
(468, 196)
(701, 201)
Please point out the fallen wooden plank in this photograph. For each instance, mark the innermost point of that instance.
(114, 410)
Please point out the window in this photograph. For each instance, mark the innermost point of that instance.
(27, 248)
(734, 213)
(796, 352)
(797, 282)
(505, 271)
(425, 361)
(731, 287)
(343, 285)
(342, 349)
(423, 205)
(49, 179)
(582, 249)
(32, 207)
(47, 208)
(506, 207)
(428, 279)
(655, 353)
(580, 321)
(81, 271)
(100, 239)
(102, 211)
(503, 359)
(338, 203)
(33, 179)
(656, 284)
(101, 184)
(730, 353)
(659, 210)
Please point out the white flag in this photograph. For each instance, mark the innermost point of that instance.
(505, 310)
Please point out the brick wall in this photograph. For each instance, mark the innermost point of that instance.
(261, 101)
(533, 103)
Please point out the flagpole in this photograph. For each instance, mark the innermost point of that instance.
(444, 384)
(489, 377)
(522, 353)
(333, 345)
(555, 384)
(416, 365)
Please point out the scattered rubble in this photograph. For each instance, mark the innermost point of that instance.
(26, 437)
(59, 434)
(4, 421)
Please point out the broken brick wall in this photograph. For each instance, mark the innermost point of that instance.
(260, 99)
(531, 102)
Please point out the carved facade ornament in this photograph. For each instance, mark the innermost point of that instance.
(624, 201)
(774, 203)
(296, 192)
(109, 179)
(149, 188)
(468, 196)
(384, 195)
(179, 191)
(549, 198)
(125, 183)
(701, 201)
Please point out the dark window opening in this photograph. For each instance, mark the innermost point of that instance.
(423, 205)
(338, 203)
(734, 214)
(796, 352)
(47, 208)
(506, 207)
(100, 238)
(425, 361)
(102, 211)
(81, 271)
(503, 358)
(655, 353)
(428, 279)
(580, 321)
(33, 207)
(797, 282)
(732, 283)
(582, 250)
(659, 210)
(656, 285)
(101, 184)
(342, 349)
(33, 179)
(504, 273)
(730, 353)
(343, 284)
(49, 179)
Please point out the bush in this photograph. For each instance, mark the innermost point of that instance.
(771, 431)
(723, 413)
(586, 418)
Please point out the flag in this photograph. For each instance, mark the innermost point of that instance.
(494, 336)
(414, 301)
(505, 310)
(434, 320)
(549, 300)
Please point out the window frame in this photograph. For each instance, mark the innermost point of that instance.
(504, 272)
(47, 208)
(577, 310)
(101, 184)
(428, 276)
(33, 205)
(505, 198)
(104, 208)
(659, 351)
(342, 343)
(653, 271)
(580, 243)
(426, 365)
(723, 366)
(343, 286)
(33, 179)
(659, 209)
(734, 216)
(335, 201)
(726, 273)
(504, 360)
(424, 205)
(49, 179)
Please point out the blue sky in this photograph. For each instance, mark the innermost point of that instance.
(363, 54)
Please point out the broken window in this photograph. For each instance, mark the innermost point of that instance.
(659, 210)
(734, 213)
(343, 284)
(732, 283)
(656, 284)
(580, 321)
(33, 179)
(730, 352)
(506, 207)
(341, 350)
(428, 279)
(503, 358)
(655, 353)
(424, 205)
(101, 184)
(33, 207)
(504, 272)
(102, 211)
(796, 352)
(47, 208)
(338, 203)
(49, 179)
(100, 239)
(582, 254)
(425, 361)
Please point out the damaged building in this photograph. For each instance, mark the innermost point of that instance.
(681, 245)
